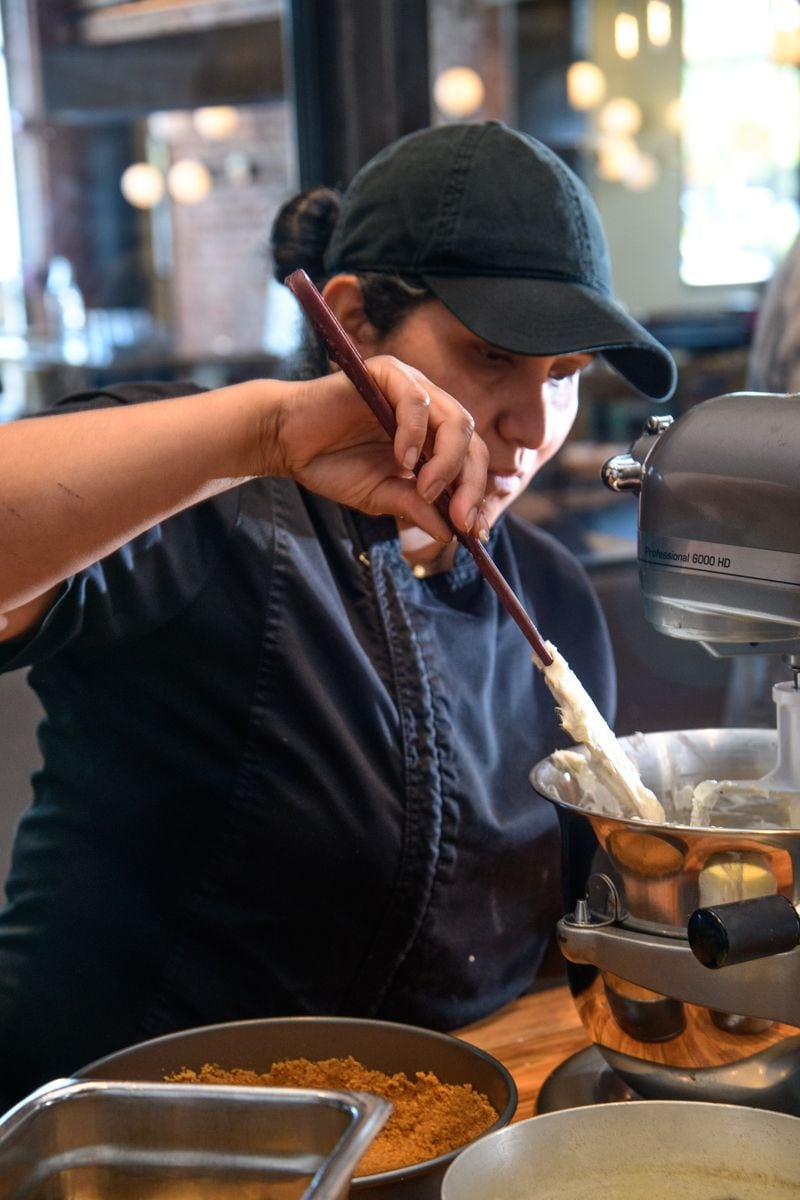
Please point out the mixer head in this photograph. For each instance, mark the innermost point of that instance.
(719, 523)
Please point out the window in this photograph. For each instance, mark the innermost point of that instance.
(11, 315)
(144, 151)
(741, 133)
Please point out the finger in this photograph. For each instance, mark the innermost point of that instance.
(469, 490)
(451, 430)
(401, 498)
(408, 393)
(457, 458)
(428, 417)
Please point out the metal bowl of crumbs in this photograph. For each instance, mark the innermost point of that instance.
(445, 1091)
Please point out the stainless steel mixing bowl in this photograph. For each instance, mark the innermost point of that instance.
(658, 1150)
(670, 1027)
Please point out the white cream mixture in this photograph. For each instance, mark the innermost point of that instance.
(609, 780)
(607, 761)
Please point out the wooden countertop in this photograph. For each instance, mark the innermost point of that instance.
(531, 1037)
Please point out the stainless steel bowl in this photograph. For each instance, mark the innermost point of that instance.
(381, 1045)
(653, 1150)
(670, 1027)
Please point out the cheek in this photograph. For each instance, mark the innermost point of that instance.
(415, 342)
(560, 419)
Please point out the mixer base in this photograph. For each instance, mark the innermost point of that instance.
(583, 1078)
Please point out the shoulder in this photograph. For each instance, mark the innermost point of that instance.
(542, 556)
(553, 581)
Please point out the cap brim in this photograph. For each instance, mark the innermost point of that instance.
(548, 316)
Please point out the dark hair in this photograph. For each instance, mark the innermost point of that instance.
(302, 230)
(300, 235)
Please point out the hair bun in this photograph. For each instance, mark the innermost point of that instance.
(301, 232)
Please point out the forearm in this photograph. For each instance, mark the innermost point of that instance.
(75, 487)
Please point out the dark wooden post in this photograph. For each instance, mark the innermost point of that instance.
(361, 79)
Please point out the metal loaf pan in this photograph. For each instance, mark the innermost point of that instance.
(95, 1140)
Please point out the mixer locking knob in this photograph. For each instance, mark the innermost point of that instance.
(656, 425)
(734, 933)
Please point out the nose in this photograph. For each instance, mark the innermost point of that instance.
(525, 417)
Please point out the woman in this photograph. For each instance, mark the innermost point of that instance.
(287, 744)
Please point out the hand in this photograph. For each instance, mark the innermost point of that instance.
(327, 438)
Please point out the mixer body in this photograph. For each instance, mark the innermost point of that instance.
(718, 495)
(719, 522)
(669, 1026)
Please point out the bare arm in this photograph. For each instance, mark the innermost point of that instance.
(76, 486)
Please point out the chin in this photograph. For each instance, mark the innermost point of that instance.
(495, 507)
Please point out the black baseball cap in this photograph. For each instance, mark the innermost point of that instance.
(506, 236)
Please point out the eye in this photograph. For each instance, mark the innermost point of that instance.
(492, 354)
(561, 375)
(569, 368)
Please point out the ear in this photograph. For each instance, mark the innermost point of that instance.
(343, 294)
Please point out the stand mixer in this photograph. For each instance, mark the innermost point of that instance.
(683, 940)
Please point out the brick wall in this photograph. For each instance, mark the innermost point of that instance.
(218, 279)
(217, 286)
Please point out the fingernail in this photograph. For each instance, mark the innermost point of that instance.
(433, 490)
(410, 459)
(483, 529)
(472, 517)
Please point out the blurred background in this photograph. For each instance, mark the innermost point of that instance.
(145, 146)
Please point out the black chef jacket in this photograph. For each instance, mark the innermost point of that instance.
(283, 775)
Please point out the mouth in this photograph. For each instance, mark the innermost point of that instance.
(503, 483)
